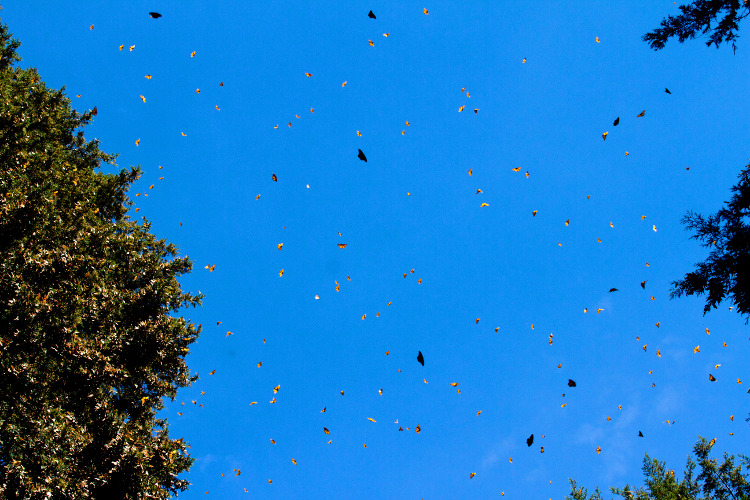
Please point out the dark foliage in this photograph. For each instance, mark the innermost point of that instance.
(717, 18)
(726, 271)
(88, 347)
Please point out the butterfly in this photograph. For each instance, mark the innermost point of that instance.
(372, 44)
(192, 54)
(667, 90)
(640, 434)
(154, 15)
(571, 383)
(274, 178)
(530, 440)
(643, 284)
(597, 39)
(342, 245)
(711, 378)
(308, 75)
(371, 15)
(472, 475)
(617, 120)
(604, 135)
(613, 290)
(361, 156)
(325, 429)
(148, 77)
(642, 113)
(420, 358)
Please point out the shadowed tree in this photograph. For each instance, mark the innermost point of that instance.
(88, 345)
(726, 271)
(719, 19)
(725, 481)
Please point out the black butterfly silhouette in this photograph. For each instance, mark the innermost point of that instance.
(371, 15)
(667, 90)
(617, 120)
(362, 156)
(613, 290)
(530, 440)
(640, 434)
(571, 383)
(643, 284)
(154, 15)
(420, 358)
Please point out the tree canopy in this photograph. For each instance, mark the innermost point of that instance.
(717, 18)
(726, 271)
(88, 344)
(714, 482)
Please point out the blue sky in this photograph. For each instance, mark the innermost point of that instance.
(413, 205)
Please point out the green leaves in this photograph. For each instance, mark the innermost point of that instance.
(89, 346)
(715, 482)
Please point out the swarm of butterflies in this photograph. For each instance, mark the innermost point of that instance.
(419, 357)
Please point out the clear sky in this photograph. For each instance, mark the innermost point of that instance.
(482, 275)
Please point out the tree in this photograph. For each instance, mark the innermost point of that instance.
(700, 18)
(715, 482)
(726, 271)
(88, 345)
